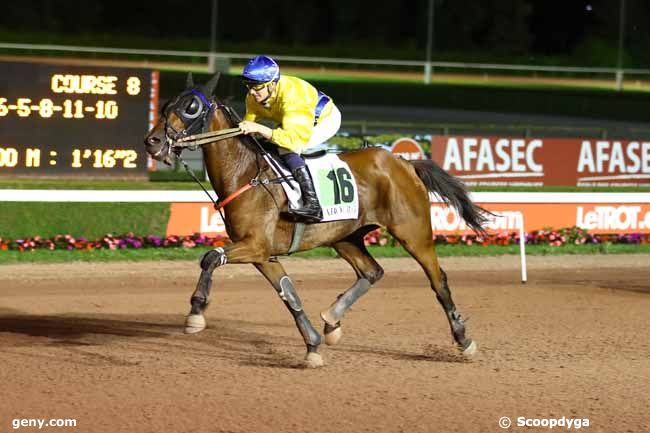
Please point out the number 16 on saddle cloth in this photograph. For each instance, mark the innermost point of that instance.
(335, 186)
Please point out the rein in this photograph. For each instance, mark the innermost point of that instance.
(193, 142)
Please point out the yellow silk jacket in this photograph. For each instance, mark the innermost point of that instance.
(293, 106)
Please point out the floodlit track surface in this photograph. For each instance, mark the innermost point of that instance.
(103, 344)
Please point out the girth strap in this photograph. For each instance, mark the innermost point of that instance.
(298, 232)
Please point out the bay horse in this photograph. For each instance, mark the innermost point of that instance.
(393, 193)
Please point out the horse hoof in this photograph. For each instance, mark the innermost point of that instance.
(313, 360)
(470, 350)
(327, 318)
(333, 337)
(194, 323)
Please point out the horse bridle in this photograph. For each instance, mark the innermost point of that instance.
(195, 117)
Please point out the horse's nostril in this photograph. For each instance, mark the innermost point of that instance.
(153, 141)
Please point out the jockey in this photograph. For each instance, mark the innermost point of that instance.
(305, 117)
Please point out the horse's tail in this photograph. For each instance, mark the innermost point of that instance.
(451, 191)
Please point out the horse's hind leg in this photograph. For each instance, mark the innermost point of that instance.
(368, 272)
(276, 275)
(417, 240)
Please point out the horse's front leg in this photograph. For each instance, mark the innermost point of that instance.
(276, 275)
(239, 252)
(195, 321)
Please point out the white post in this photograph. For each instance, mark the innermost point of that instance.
(427, 73)
(522, 248)
(427, 64)
(212, 59)
(212, 63)
(621, 37)
(619, 79)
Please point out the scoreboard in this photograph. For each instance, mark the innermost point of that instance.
(71, 121)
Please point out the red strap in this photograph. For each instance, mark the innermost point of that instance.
(232, 196)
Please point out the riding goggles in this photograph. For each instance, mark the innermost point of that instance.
(252, 85)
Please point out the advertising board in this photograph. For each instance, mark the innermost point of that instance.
(505, 161)
(613, 215)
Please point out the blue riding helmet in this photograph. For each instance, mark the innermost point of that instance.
(261, 69)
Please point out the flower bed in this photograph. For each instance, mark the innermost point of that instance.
(554, 238)
(110, 242)
(379, 237)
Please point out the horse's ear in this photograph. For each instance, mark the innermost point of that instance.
(189, 83)
(212, 84)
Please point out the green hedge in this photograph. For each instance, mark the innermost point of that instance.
(90, 220)
(594, 103)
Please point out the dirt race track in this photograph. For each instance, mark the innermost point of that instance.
(103, 344)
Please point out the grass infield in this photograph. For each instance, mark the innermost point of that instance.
(90, 220)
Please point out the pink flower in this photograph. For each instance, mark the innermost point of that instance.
(188, 243)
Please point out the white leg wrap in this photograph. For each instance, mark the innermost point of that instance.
(470, 351)
(333, 337)
(194, 323)
(314, 360)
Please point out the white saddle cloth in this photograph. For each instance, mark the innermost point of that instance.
(335, 186)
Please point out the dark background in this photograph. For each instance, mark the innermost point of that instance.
(576, 32)
(534, 32)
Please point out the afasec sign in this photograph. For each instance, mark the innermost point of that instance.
(407, 148)
(490, 159)
(507, 161)
(611, 162)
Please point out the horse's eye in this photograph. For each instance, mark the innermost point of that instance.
(193, 108)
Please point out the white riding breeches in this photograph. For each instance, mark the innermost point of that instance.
(323, 131)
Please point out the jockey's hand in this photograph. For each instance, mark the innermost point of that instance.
(248, 127)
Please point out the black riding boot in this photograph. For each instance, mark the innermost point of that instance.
(310, 210)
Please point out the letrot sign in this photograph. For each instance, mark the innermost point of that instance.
(596, 212)
(505, 161)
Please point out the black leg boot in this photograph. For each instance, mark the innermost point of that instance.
(311, 210)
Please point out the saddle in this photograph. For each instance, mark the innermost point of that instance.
(315, 154)
(334, 183)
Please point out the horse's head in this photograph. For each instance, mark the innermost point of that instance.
(189, 113)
